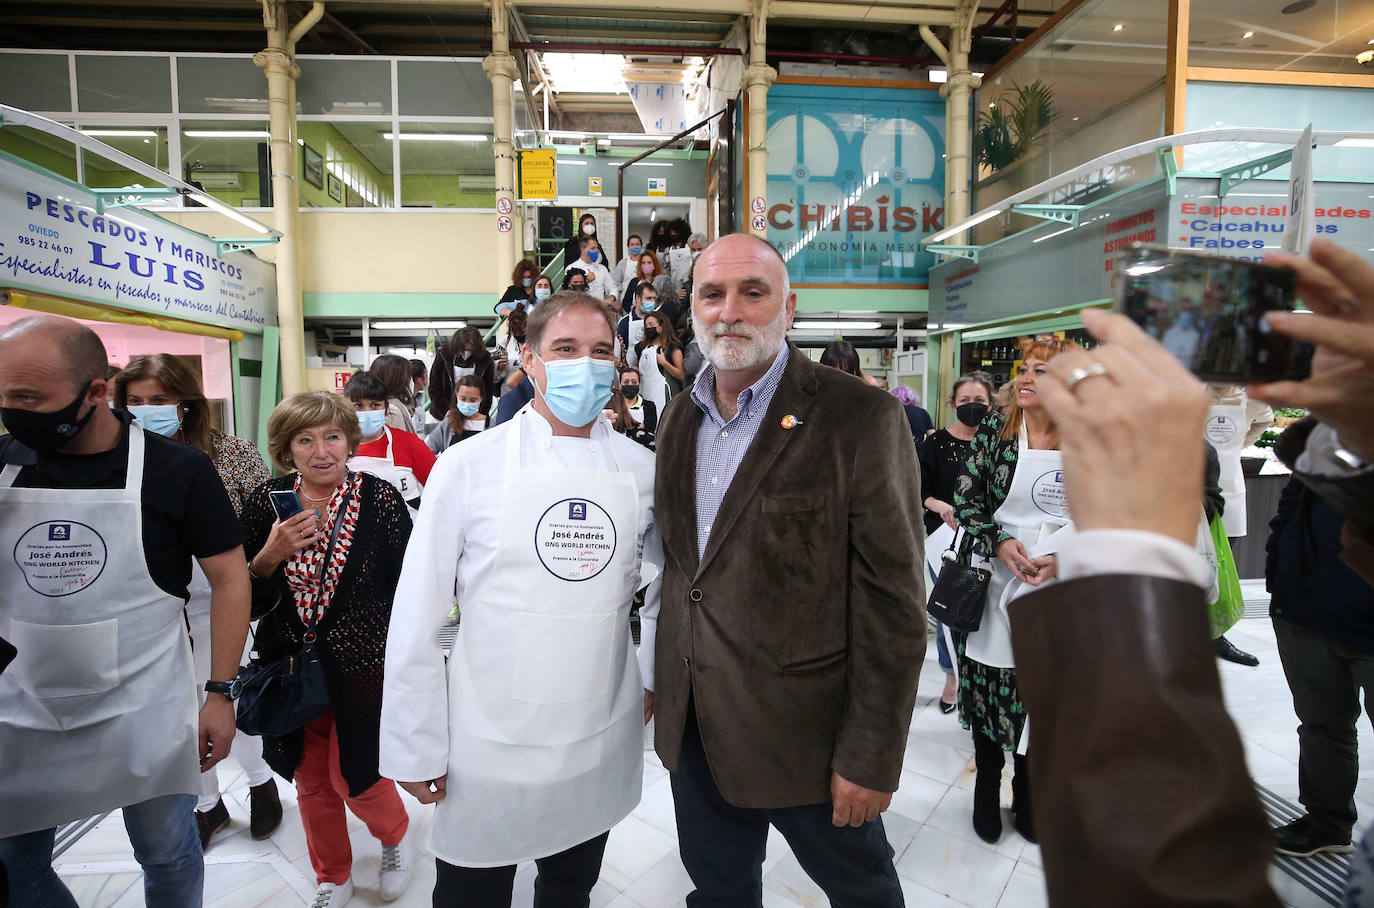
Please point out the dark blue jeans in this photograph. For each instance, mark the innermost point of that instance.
(165, 842)
(722, 846)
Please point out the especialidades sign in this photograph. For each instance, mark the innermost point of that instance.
(54, 241)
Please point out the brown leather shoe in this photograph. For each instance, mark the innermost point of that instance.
(264, 809)
(211, 822)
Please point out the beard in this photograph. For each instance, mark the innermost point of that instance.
(759, 345)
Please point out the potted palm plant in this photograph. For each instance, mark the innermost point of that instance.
(1008, 130)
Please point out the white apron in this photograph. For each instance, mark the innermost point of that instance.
(401, 477)
(98, 710)
(1226, 428)
(545, 699)
(652, 385)
(1035, 510)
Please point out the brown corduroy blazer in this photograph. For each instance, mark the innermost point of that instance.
(800, 632)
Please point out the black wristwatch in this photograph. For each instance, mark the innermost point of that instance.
(230, 689)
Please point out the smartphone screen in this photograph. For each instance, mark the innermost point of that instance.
(286, 503)
(1208, 310)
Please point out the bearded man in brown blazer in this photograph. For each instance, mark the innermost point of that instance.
(792, 625)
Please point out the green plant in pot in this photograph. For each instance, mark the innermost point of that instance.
(1009, 129)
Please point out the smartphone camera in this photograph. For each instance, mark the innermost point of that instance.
(1208, 311)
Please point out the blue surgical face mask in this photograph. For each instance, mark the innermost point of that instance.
(371, 422)
(636, 251)
(468, 408)
(593, 255)
(542, 293)
(161, 419)
(648, 305)
(526, 282)
(577, 389)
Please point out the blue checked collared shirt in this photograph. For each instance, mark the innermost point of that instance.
(721, 445)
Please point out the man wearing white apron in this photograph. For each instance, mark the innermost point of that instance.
(1234, 423)
(99, 710)
(531, 737)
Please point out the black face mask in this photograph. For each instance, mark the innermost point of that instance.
(651, 333)
(519, 338)
(630, 391)
(47, 431)
(971, 414)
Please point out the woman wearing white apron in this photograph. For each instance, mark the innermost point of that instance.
(658, 356)
(400, 458)
(1011, 499)
(531, 737)
(166, 398)
(1234, 423)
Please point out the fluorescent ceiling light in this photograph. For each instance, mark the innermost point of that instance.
(1048, 235)
(437, 136)
(573, 163)
(120, 133)
(227, 210)
(651, 164)
(227, 134)
(942, 75)
(835, 326)
(977, 219)
(1356, 142)
(419, 325)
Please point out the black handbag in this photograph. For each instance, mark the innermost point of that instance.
(278, 696)
(961, 590)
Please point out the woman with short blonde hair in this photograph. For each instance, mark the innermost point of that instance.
(329, 573)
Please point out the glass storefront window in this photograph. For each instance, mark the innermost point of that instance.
(354, 161)
(343, 86)
(146, 143)
(49, 152)
(1322, 38)
(223, 158)
(128, 83)
(1095, 112)
(442, 88)
(446, 165)
(223, 84)
(36, 82)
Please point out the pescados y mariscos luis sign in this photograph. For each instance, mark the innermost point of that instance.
(855, 181)
(53, 240)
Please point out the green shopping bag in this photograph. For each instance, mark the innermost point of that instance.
(1229, 606)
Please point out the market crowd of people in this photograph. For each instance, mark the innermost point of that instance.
(431, 592)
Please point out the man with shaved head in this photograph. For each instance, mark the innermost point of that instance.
(784, 656)
(99, 521)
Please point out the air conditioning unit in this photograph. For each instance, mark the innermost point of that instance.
(477, 182)
(219, 181)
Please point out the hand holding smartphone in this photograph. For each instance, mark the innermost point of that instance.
(285, 503)
(1208, 311)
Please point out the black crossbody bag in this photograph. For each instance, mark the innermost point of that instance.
(961, 590)
(280, 695)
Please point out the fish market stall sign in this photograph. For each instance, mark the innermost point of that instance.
(54, 241)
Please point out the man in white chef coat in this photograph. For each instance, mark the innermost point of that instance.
(531, 738)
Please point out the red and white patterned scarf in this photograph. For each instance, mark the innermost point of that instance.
(303, 568)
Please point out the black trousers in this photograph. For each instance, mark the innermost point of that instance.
(564, 880)
(1326, 679)
(722, 846)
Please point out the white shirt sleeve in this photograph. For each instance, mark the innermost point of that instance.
(1092, 553)
(648, 612)
(415, 714)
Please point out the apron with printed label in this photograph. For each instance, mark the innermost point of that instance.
(1035, 509)
(98, 710)
(652, 385)
(1226, 427)
(401, 477)
(546, 721)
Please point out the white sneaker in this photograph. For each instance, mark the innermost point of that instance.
(396, 868)
(330, 895)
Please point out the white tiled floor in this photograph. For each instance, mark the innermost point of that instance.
(940, 860)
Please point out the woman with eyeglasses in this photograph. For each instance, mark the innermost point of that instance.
(1009, 497)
